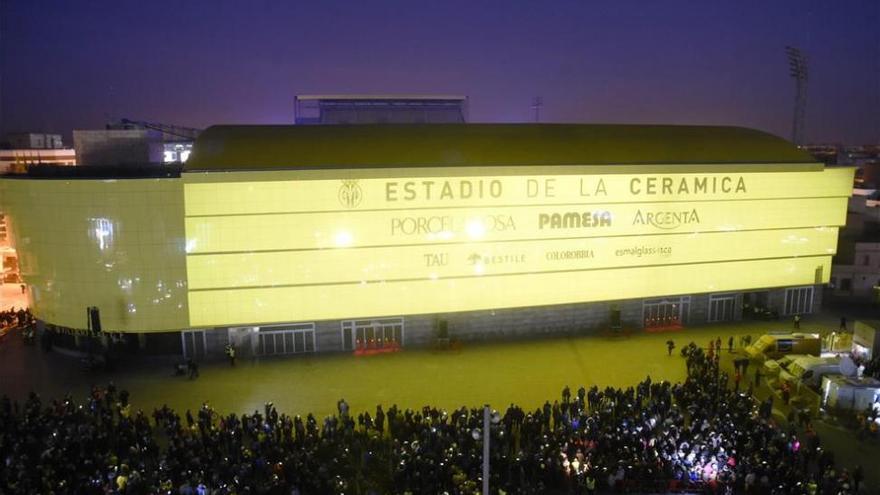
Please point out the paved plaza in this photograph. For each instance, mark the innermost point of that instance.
(524, 372)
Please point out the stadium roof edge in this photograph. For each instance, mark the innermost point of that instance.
(290, 147)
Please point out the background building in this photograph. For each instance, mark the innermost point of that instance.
(290, 239)
(130, 142)
(20, 159)
(33, 141)
(857, 277)
(20, 150)
(106, 147)
(380, 109)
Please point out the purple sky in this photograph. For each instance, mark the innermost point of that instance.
(78, 64)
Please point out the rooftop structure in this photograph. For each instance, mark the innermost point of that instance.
(380, 109)
(487, 145)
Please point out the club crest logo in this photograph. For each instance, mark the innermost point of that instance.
(350, 193)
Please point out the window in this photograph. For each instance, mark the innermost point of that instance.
(866, 260)
(846, 284)
(784, 345)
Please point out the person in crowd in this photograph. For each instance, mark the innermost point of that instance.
(698, 435)
(12, 318)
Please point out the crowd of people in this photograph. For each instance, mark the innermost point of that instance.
(653, 437)
(12, 317)
(872, 367)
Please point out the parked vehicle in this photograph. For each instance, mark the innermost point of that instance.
(809, 370)
(774, 346)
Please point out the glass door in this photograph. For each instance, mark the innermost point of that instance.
(664, 313)
(372, 334)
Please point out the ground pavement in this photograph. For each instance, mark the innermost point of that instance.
(523, 372)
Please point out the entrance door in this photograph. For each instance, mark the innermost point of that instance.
(372, 334)
(721, 308)
(193, 343)
(660, 313)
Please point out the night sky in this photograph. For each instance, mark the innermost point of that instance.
(78, 63)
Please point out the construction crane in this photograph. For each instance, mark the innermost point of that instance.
(179, 132)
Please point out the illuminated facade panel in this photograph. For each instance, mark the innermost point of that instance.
(266, 305)
(240, 193)
(378, 264)
(251, 233)
(114, 244)
(431, 243)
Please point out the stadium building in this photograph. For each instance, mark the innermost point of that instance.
(290, 239)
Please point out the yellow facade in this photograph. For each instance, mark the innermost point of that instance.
(212, 307)
(311, 245)
(434, 227)
(239, 193)
(375, 264)
(218, 249)
(114, 244)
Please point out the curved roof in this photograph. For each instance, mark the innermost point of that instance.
(230, 148)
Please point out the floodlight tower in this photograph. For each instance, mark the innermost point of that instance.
(797, 69)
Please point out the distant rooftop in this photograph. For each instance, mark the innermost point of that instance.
(379, 109)
(381, 97)
(227, 148)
